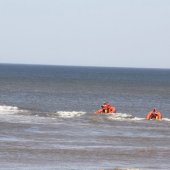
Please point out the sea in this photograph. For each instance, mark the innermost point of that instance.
(48, 119)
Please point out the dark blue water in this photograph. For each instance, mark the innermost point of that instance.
(47, 118)
(53, 88)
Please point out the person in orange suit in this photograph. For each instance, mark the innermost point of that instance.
(154, 114)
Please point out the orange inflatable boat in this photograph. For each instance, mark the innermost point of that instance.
(106, 108)
(154, 114)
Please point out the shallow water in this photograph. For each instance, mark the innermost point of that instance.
(83, 141)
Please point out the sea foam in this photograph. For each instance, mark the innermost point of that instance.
(70, 114)
(9, 109)
(123, 116)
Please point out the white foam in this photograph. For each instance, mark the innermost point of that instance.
(126, 116)
(166, 119)
(71, 114)
(126, 169)
(138, 118)
(123, 116)
(120, 116)
(12, 114)
(9, 109)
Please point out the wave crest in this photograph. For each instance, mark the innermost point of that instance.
(9, 109)
(123, 116)
(69, 114)
(166, 119)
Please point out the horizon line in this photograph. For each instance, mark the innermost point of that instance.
(130, 67)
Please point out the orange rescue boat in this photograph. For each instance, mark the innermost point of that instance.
(106, 108)
(154, 115)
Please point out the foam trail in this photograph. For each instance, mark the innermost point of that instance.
(166, 119)
(71, 114)
(123, 116)
(126, 169)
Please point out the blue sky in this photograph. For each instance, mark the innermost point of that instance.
(114, 33)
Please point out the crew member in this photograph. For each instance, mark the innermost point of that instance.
(154, 114)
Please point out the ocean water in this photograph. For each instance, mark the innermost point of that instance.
(48, 120)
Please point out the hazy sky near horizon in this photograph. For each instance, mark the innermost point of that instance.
(116, 33)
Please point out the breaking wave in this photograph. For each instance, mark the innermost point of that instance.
(123, 117)
(166, 119)
(126, 169)
(129, 117)
(9, 109)
(69, 114)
